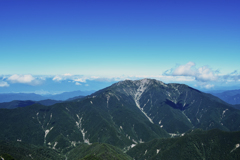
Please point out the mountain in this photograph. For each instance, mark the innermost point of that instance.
(48, 102)
(8, 97)
(17, 103)
(231, 96)
(73, 98)
(237, 106)
(97, 151)
(101, 117)
(124, 114)
(175, 107)
(66, 95)
(197, 144)
(24, 151)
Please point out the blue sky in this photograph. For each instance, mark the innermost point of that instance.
(188, 41)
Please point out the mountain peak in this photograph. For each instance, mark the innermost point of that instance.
(141, 82)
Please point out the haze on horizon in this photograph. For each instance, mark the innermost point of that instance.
(54, 46)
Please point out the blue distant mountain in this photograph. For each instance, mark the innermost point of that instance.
(18, 103)
(231, 96)
(66, 95)
(8, 97)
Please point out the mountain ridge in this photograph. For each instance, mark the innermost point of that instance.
(124, 114)
(174, 99)
(230, 96)
(8, 97)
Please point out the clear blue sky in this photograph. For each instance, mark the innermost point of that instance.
(118, 37)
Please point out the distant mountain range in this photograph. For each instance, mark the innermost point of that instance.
(17, 103)
(231, 96)
(66, 95)
(126, 115)
(8, 97)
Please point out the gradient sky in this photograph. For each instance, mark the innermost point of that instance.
(119, 37)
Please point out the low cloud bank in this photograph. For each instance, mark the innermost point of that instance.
(204, 76)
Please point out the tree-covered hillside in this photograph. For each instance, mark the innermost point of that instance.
(196, 144)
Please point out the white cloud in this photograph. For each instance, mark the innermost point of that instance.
(26, 79)
(202, 74)
(137, 77)
(234, 76)
(95, 77)
(187, 73)
(204, 85)
(3, 84)
(185, 70)
(42, 78)
(208, 86)
(205, 74)
(80, 80)
(57, 78)
(67, 74)
(73, 78)
(62, 77)
(21, 78)
(77, 83)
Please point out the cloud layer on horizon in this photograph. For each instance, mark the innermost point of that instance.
(203, 77)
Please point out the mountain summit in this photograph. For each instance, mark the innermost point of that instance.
(175, 107)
